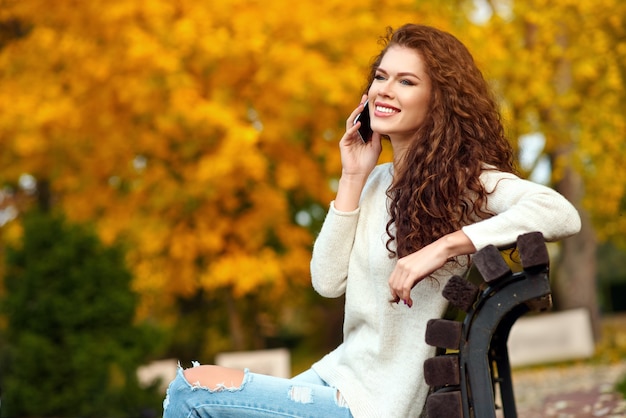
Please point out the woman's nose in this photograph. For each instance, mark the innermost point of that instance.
(385, 89)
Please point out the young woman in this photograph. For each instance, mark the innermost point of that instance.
(394, 235)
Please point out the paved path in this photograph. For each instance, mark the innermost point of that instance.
(575, 391)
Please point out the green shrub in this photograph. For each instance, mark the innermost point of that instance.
(71, 347)
(621, 387)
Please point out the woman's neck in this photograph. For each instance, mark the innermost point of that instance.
(399, 151)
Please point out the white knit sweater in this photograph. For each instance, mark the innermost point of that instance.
(379, 366)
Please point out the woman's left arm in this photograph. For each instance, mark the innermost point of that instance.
(518, 207)
(521, 206)
(411, 269)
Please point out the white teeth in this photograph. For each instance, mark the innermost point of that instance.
(385, 109)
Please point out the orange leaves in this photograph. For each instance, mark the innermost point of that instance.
(560, 71)
(235, 158)
(244, 273)
(194, 131)
(29, 145)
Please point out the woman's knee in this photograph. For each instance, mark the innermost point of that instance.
(214, 377)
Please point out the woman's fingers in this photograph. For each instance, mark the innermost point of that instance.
(413, 268)
(401, 284)
(354, 114)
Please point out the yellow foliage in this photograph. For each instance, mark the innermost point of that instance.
(195, 131)
(11, 234)
(243, 273)
(560, 68)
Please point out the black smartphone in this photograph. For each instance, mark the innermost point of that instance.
(365, 130)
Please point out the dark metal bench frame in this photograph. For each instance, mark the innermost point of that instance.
(482, 359)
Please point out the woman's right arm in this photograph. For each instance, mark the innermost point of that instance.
(358, 159)
(333, 246)
(331, 252)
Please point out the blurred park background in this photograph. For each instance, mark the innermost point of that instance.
(165, 166)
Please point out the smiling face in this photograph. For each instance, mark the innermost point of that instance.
(400, 94)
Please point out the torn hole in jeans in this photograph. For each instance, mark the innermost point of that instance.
(304, 394)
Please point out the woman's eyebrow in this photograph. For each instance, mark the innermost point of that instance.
(404, 74)
(401, 74)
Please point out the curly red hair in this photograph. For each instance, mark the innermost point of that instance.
(436, 188)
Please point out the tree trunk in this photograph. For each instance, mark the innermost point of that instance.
(575, 285)
(237, 333)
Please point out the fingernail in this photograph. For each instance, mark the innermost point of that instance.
(404, 300)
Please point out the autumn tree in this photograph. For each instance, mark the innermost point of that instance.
(205, 135)
(560, 68)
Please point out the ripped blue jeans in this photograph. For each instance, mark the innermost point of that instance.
(303, 396)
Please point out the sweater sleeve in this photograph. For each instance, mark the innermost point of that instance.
(521, 206)
(331, 252)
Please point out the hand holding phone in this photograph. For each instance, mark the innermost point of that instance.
(365, 130)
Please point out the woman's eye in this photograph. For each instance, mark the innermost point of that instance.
(379, 77)
(407, 82)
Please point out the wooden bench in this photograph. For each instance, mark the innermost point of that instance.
(464, 380)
